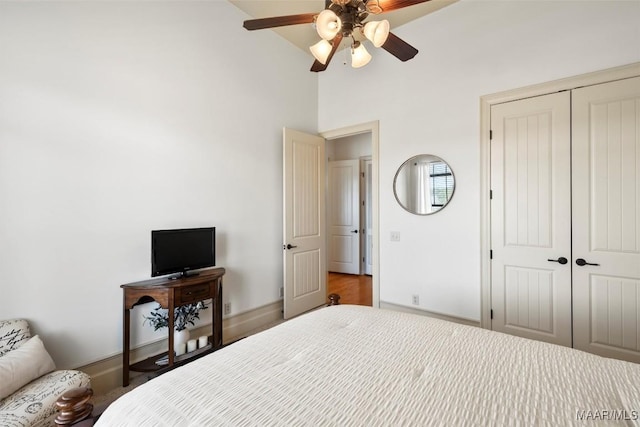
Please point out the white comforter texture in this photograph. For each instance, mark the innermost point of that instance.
(360, 366)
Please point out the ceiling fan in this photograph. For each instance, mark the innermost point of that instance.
(339, 20)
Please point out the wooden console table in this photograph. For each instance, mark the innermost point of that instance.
(171, 293)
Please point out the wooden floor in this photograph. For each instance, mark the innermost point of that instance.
(353, 289)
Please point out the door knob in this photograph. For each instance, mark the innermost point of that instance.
(354, 231)
(581, 262)
(562, 260)
(289, 246)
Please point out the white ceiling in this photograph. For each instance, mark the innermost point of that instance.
(304, 35)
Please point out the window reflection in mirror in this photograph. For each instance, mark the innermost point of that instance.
(424, 184)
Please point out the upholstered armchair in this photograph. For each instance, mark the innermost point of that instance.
(29, 381)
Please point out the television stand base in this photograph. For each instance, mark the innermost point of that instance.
(185, 275)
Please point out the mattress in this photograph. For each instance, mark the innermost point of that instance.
(361, 366)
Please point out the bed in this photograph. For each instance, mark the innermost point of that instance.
(360, 366)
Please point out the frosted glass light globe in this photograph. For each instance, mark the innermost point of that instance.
(321, 51)
(359, 56)
(328, 24)
(377, 32)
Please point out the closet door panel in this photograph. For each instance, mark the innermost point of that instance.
(606, 218)
(531, 218)
(615, 302)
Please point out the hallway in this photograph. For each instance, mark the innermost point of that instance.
(353, 289)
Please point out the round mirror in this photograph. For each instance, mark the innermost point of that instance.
(424, 184)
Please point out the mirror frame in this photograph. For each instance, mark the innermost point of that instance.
(412, 159)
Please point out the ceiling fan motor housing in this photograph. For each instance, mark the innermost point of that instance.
(351, 14)
(341, 2)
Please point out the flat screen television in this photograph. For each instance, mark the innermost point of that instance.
(182, 250)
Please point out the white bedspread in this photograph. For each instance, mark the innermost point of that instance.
(359, 366)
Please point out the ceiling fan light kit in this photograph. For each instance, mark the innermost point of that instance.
(340, 19)
(321, 51)
(359, 55)
(328, 24)
(377, 32)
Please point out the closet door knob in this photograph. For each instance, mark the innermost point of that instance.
(354, 231)
(562, 260)
(581, 262)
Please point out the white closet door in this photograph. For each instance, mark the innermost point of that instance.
(606, 219)
(531, 218)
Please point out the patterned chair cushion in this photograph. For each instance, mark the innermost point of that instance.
(34, 403)
(13, 333)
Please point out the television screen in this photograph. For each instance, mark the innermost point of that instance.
(182, 250)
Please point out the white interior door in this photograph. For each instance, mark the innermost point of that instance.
(344, 216)
(531, 218)
(606, 220)
(366, 216)
(305, 281)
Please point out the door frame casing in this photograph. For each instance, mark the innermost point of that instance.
(363, 208)
(372, 127)
(486, 102)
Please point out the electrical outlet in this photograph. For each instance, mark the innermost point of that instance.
(395, 236)
(415, 299)
(227, 308)
(281, 292)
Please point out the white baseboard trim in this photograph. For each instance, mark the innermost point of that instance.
(106, 374)
(397, 307)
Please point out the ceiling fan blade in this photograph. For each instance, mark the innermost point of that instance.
(319, 66)
(279, 21)
(389, 5)
(399, 48)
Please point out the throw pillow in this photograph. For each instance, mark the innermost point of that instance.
(24, 364)
(13, 333)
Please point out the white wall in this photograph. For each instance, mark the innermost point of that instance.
(117, 118)
(431, 105)
(349, 148)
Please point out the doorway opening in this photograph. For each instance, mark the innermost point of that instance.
(350, 214)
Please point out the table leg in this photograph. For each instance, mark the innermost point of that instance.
(217, 317)
(125, 349)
